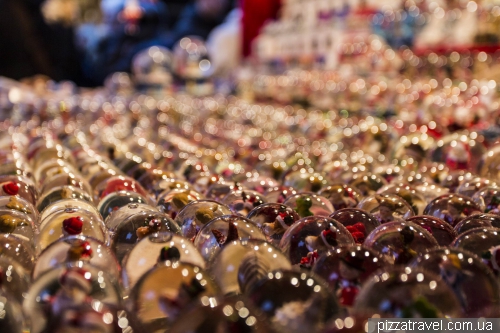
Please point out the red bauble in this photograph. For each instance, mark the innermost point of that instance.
(73, 225)
(358, 236)
(87, 249)
(360, 227)
(11, 188)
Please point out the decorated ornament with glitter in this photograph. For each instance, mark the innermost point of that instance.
(488, 197)
(154, 249)
(114, 201)
(314, 233)
(472, 282)
(60, 193)
(166, 290)
(197, 214)
(222, 231)
(346, 268)
(243, 201)
(399, 292)
(400, 241)
(295, 301)
(483, 242)
(67, 286)
(309, 204)
(127, 231)
(173, 201)
(440, 230)
(77, 248)
(19, 185)
(70, 222)
(452, 208)
(341, 196)
(386, 208)
(359, 223)
(239, 266)
(274, 219)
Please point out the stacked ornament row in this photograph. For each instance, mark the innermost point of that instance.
(97, 238)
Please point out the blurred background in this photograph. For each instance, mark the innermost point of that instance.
(85, 40)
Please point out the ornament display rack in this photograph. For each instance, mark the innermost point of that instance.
(325, 192)
(314, 34)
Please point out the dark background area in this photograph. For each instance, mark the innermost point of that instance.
(29, 46)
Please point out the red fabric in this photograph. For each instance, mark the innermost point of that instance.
(255, 14)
